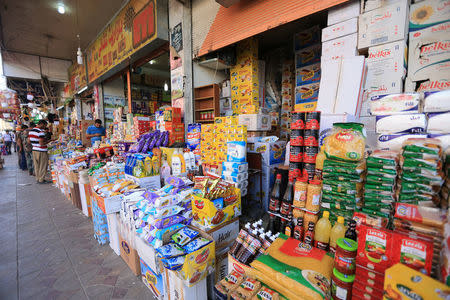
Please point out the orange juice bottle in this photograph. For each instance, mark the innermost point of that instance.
(322, 232)
(337, 232)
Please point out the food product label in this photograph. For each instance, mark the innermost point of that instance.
(341, 293)
(274, 205)
(249, 284)
(293, 247)
(316, 199)
(300, 198)
(320, 245)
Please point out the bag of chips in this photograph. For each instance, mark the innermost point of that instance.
(346, 142)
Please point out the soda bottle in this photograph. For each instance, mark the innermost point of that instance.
(275, 196)
(288, 198)
(309, 235)
(351, 231)
(299, 230)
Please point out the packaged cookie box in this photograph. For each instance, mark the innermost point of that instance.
(196, 264)
(209, 215)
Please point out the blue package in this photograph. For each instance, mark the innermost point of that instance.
(184, 236)
(218, 203)
(196, 244)
(236, 151)
(160, 232)
(174, 263)
(170, 250)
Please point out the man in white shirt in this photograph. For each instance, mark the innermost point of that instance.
(8, 141)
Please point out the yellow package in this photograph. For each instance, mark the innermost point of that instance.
(346, 142)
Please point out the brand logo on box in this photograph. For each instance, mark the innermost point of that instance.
(238, 268)
(380, 54)
(414, 244)
(434, 85)
(202, 256)
(379, 18)
(435, 47)
(376, 233)
(199, 204)
(125, 247)
(407, 291)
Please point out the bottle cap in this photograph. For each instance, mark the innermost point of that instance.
(269, 233)
(340, 220)
(302, 179)
(326, 214)
(278, 176)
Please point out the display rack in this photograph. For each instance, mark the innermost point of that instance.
(206, 103)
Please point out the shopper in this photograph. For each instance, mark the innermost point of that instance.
(28, 148)
(14, 144)
(20, 147)
(40, 155)
(95, 132)
(8, 141)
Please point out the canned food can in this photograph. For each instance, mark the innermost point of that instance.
(295, 170)
(297, 137)
(311, 137)
(310, 154)
(308, 170)
(312, 120)
(296, 154)
(298, 120)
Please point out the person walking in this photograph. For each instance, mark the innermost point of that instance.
(20, 147)
(28, 148)
(40, 155)
(8, 141)
(14, 143)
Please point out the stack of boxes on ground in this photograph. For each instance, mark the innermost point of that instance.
(169, 120)
(287, 94)
(307, 49)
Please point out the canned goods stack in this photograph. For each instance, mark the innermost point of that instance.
(381, 181)
(304, 144)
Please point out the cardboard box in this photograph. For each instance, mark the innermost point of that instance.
(341, 87)
(130, 256)
(235, 265)
(343, 12)
(255, 122)
(209, 216)
(306, 38)
(429, 52)
(403, 282)
(306, 97)
(341, 47)
(435, 12)
(383, 25)
(113, 229)
(306, 75)
(172, 114)
(340, 29)
(85, 196)
(177, 290)
(272, 152)
(148, 254)
(154, 281)
(225, 233)
(307, 56)
(108, 205)
(221, 264)
(386, 65)
(368, 5)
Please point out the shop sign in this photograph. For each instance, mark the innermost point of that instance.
(133, 28)
(77, 78)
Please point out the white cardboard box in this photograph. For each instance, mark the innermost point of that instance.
(368, 5)
(351, 85)
(429, 52)
(341, 47)
(340, 29)
(113, 229)
(436, 11)
(386, 65)
(255, 122)
(343, 12)
(342, 85)
(148, 254)
(383, 25)
(176, 289)
(437, 83)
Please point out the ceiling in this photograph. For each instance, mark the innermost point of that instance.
(36, 27)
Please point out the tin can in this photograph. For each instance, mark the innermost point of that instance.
(298, 120)
(312, 120)
(295, 170)
(309, 154)
(297, 137)
(308, 171)
(296, 154)
(311, 137)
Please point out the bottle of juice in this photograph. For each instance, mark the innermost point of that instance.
(322, 232)
(337, 232)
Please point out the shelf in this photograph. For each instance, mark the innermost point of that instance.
(205, 109)
(204, 98)
(215, 64)
(205, 121)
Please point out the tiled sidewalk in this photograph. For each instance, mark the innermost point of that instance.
(48, 248)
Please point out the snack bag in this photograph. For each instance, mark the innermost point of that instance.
(184, 236)
(346, 142)
(170, 250)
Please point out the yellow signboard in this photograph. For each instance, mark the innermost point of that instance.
(77, 77)
(133, 28)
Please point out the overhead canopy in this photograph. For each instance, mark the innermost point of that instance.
(251, 17)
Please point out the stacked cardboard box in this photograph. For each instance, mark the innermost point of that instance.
(287, 95)
(169, 120)
(141, 125)
(307, 49)
(429, 26)
(245, 78)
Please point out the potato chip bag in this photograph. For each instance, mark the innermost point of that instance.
(346, 142)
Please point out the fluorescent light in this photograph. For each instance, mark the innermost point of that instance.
(82, 90)
(152, 62)
(79, 56)
(61, 8)
(166, 87)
